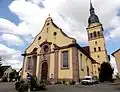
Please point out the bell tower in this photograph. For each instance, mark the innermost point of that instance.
(96, 38)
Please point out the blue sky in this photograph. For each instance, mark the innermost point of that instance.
(21, 21)
(6, 13)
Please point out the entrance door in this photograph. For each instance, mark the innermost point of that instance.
(44, 71)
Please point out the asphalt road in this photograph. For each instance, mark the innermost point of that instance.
(102, 87)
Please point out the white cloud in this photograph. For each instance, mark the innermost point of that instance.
(10, 56)
(34, 20)
(11, 39)
(8, 27)
(70, 15)
(16, 64)
(5, 50)
(31, 15)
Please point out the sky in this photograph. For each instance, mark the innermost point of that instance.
(22, 20)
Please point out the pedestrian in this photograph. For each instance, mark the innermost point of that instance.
(29, 79)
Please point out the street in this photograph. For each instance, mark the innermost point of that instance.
(102, 87)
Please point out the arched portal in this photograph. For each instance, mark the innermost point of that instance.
(44, 71)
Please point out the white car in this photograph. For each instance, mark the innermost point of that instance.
(88, 80)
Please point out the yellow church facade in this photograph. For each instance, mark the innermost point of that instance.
(55, 56)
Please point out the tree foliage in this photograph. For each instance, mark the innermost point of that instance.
(106, 72)
(13, 74)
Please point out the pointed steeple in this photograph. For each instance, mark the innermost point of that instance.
(93, 17)
(91, 8)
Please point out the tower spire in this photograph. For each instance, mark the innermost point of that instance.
(93, 17)
(91, 8)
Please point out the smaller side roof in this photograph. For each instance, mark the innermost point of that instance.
(86, 49)
(86, 53)
(115, 52)
(4, 68)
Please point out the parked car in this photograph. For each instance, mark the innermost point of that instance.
(89, 80)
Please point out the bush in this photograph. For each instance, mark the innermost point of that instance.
(4, 79)
(58, 82)
(64, 82)
(17, 84)
(72, 82)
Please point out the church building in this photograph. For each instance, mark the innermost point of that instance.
(53, 55)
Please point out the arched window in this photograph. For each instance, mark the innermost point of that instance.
(95, 34)
(65, 60)
(95, 42)
(99, 48)
(98, 33)
(94, 49)
(81, 63)
(34, 50)
(91, 35)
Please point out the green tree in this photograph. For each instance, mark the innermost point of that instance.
(13, 74)
(106, 72)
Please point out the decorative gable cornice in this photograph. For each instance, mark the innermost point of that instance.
(45, 42)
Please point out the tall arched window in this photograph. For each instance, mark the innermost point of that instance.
(94, 49)
(65, 59)
(95, 35)
(99, 48)
(98, 33)
(91, 35)
(81, 63)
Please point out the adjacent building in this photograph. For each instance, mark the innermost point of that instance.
(53, 55)
(116, 54)
(5, 72)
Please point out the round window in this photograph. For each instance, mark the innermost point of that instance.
(46, 48)
(54, 33)
(39, 38)
(47, 24)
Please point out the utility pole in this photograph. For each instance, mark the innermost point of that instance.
(0, 61)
